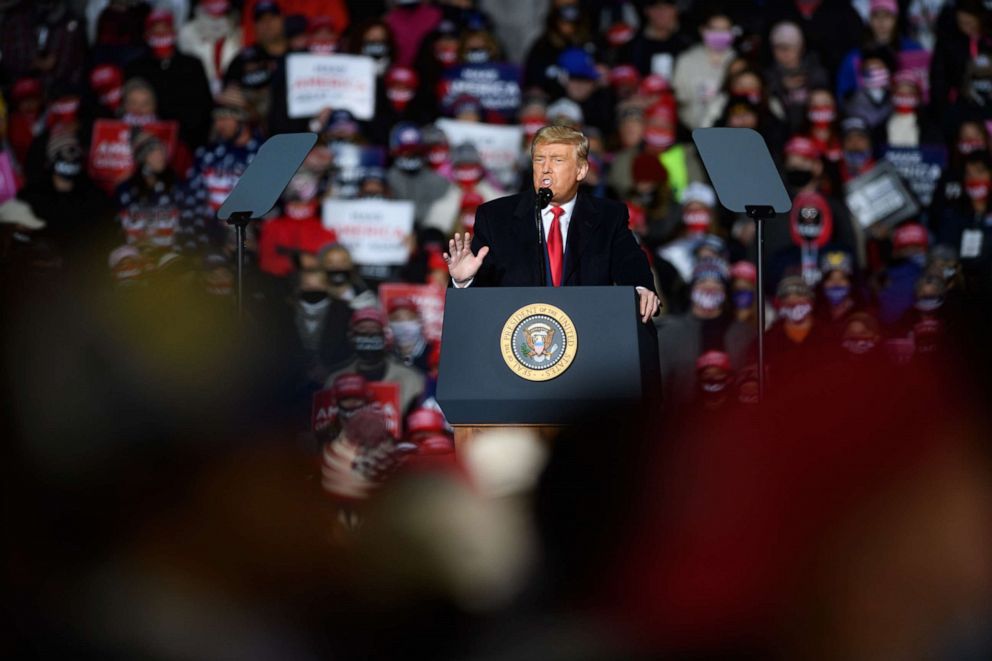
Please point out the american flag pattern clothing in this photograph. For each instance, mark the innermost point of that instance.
(216, 169)
(152, 218)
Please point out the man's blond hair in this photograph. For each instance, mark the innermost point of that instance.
(559, 134)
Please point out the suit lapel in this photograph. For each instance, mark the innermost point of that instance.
(525, 230)
(580, 230)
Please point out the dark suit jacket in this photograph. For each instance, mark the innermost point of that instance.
(600, 249)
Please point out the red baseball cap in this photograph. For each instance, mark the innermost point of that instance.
(714, 359)
(350, 386)
(368, 314)
(910, 234)
(430, 420)
(159, 16)
(402, 303)
(802, 146)
(744, 270)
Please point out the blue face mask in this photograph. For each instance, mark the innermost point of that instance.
(837, 293)
(743, 298)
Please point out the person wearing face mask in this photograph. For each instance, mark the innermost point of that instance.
(971, 136)
(409, 177)
(179, 80)
(715, 379)
(77, 213)
(909, 125)
(943, 260)
(343, 281)
(298, 229)
(219, 164)
(838, 296)
(469, 176)
(321, 325)
(860, 341)
(150, 201)
(872, 101)
(897, 281)
(967, 225)
(883, 30)
(699, 71)
(822, 124)
(214, 36)
(794, 72)
(744, 299)
(684, 337)
(407, 329)
(367, 335)
(794, 338)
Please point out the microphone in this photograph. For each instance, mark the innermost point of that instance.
(544, 196)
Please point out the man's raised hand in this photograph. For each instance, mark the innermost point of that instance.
(462, 264)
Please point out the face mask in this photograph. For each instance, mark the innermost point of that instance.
(215, 7)
(407, 333)
(836, 294)
(856, 160)
(659, 139)
(713, 387)
(904, 103)
(409, 163)
(876, 95)
(876, 78)
(256, 79)
(821, 115)
(718, 40)
(797, 313)
(67, 169)
(437, 156)
(569, 13)
(376, 49)
(858, 347)
(467, 174)
(338, 278)
(929, 303)
(323, 47)
(743, 299)
(810, 228)
(966, 147)
(798, 178)
(697, 220)
(446, 54)
(708, 300)
(369, 347)
(162, 45)
(313, 297)
(978, 189)
(477, 56)
(301, 210)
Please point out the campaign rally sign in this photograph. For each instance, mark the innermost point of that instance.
(880, 196)
(428, 298)
(496, 86)
(111, 160)
(342, 82)
(919, 167)
(8, 182)
(376, 232)
(386, 394)
(499, 146)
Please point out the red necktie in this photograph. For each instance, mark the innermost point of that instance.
(555, 250)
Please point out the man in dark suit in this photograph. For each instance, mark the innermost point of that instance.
(587, 239)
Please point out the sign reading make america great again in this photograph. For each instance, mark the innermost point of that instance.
(342, 82)
(496, 86)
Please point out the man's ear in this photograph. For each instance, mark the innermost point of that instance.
(583, 171)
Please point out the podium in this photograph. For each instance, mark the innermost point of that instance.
(542, 356)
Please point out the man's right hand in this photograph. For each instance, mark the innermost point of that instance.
(462, 264)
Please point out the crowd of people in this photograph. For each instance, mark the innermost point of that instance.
(121, 294)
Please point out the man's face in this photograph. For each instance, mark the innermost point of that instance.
(269, 28)
(226, 127)
(139, 101)
(556, 166)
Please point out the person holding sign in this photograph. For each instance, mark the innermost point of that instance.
(588, 241)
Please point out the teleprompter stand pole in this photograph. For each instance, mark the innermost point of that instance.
(760, 213)
(240, 220)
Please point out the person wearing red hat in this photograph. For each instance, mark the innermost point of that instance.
(367, 335)
(298, 229)
(715, 377)
(455, 210)
(106, 87)
(27, 104)
(179, 80)
(214, 37)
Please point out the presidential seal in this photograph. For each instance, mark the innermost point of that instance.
(538, 342)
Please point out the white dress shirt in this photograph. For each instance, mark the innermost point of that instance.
(546, 218)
